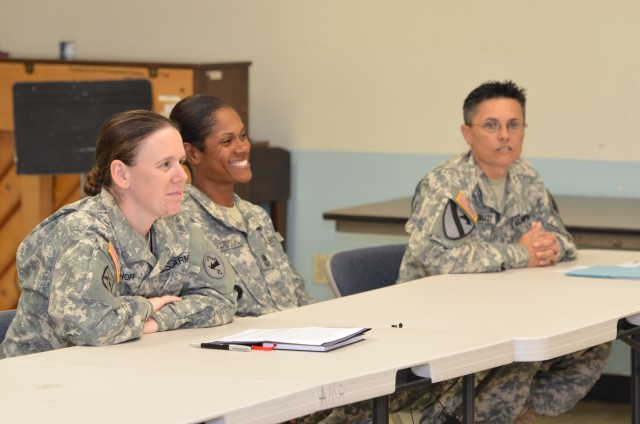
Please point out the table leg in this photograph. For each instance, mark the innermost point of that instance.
(628, 333)
(381, 410)
(468, 399)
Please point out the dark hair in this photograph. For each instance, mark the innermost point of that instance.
(119, 139)
(196, 117)
(492, 90)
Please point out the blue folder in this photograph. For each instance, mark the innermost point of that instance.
(620, 272)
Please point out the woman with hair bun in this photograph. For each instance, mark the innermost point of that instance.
(120, 263)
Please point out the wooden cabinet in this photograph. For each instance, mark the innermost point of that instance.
(26, 200)
(169, 82)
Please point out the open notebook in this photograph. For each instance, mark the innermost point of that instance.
(313, 339)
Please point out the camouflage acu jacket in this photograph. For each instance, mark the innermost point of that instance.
(85, 274)
(266, 280)
(456, 225)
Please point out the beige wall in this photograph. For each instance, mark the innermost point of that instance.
(377, 75)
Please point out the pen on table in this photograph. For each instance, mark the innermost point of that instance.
(221, 346)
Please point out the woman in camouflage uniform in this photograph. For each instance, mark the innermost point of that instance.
(218, 151)
(120, 263)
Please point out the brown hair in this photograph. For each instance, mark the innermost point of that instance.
(119, 139)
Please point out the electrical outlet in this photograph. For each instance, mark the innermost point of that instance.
(319, 261)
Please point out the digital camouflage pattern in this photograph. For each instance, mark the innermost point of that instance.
(490, 245)
(449, 235)
(451, 232)
(85, 274)
(265, 279)
(548, 388)
(413, 401)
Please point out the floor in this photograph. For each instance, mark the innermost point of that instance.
(586, 412)
(591, 412)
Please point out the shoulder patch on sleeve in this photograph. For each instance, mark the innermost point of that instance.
(455, 222)
(213, 266)
(108, 280)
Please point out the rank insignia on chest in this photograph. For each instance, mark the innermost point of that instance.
(455, 221)
(213, 266)
(265, 261)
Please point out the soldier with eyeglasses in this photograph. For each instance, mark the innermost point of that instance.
(488, 210)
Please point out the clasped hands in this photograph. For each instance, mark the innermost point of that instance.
(151, 325)
(543, 247)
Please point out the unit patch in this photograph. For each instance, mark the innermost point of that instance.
(108, 280)
(213, 266)
(455, 222)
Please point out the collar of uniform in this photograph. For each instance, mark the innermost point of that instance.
(218, 213)
(514, 204)
(244, 207)
(488, 195)
(520, 177)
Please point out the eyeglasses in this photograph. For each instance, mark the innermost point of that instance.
(513, 127)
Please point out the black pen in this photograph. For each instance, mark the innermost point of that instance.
(222, 346)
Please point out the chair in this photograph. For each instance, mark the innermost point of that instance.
(5, 319)
(369, 268)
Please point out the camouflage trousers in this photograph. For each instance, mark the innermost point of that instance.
(549, 388)
(413, 401)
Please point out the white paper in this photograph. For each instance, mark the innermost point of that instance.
(314, 336)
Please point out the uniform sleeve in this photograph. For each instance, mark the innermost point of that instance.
(302, 294)
(208, 297)
(303, 297)
(429, 252)
(552, 223)
(82, 307)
